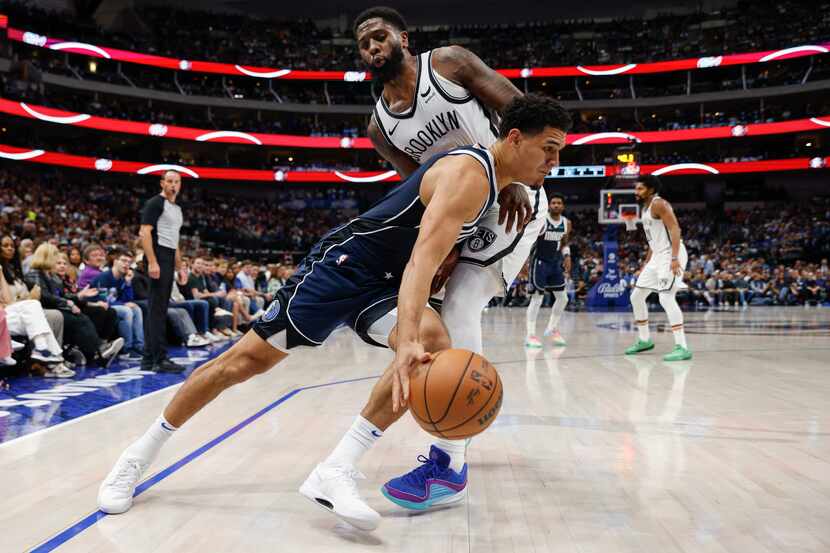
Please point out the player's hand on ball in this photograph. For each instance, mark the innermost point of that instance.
(408, 357)
(514, 205)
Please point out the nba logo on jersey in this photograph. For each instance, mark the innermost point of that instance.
(482, 239)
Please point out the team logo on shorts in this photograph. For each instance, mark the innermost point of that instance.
(273, 311)
(481, 240)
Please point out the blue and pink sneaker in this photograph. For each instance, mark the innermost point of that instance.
(432, 484)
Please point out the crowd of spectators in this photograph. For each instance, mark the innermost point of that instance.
(301, 44)
(198, 35)
(74, 286)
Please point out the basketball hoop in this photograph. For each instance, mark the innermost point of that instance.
(630, 220)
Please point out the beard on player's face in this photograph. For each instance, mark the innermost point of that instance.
(392, 66)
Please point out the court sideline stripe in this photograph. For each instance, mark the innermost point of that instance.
(72, 531)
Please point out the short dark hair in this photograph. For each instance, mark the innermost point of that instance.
(118, 251)
(652, 182)
(390, 15)
(557, 195)
(531, 113)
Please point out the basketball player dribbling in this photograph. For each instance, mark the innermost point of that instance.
(431, 103)
(663, 270)
(387, 256)
(550, 263)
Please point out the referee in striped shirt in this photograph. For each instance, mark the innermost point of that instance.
(161, 222)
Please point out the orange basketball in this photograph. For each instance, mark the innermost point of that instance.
(456, 396)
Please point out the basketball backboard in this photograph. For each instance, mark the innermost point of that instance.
(619, 206)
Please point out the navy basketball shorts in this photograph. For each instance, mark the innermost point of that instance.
(547, 276)
(331, 288)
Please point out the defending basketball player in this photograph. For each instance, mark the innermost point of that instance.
(663, 269)
(431, 103)
(387, 255)
(550, 263)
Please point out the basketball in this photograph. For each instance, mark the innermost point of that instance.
(456, 396)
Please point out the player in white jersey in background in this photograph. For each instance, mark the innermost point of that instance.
(663, 270)
(431, 103)
(550, 265)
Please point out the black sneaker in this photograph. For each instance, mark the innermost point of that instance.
(75, 357)
(167, 366)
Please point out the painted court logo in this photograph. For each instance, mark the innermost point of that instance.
(273, 311)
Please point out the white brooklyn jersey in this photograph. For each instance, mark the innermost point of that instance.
(656, 232)
(443, 116)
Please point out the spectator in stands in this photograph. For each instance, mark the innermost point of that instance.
(88, 299)
(245, 284)
(742, 287)
(75, 259)
(25, 251)
(727, 291)
(116, 284)
(206, 299)
(79, 331)
(93, 259)
(26, 318)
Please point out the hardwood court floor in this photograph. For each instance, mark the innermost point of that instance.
(593, 452)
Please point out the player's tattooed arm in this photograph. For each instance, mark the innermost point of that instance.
(402, 163)
(465, 68)
(458, 190)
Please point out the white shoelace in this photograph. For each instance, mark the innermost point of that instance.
(347, 475)
(128, 476)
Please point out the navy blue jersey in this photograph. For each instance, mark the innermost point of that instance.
(548, 245)
(351, 277)
(387, 231)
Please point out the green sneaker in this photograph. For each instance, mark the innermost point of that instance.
(679, 353)
(639, 347)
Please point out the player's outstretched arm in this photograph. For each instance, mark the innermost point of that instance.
(402, 163)
(564, 247)
(459, 189)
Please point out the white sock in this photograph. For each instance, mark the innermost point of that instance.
(675, 316)
(638, 305)
(558, 308)
(148, 446)
(456, 449)
(679, 336)
(41, 342)
(360, 437)
(533, 312)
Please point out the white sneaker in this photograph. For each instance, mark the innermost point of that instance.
(217, 336)
(8, 361)
(17, 346)
(59, 370)
(196, 341)
(115, 496)
(333, 488)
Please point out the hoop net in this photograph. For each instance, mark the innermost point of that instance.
(630, 220)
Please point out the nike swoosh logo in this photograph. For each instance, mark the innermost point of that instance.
(169, 428)
(425, 94)
(376, 434)
(392, 130)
